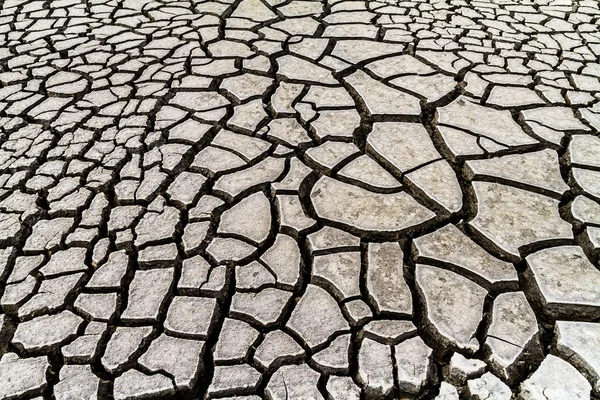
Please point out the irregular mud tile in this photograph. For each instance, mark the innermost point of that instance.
(404, 145)
(284, 96)
(265, 307)
(134, 385)
(558, 118)
(276, 345)
(179, 358)
(232, 378)
(249, 147)
(147, 293)
(245, 86)
(588, 180)
(461, 369)
(438, 181)
(298, 69)
(294, 178)
(47, 234)
(414, 365)
(375, 368)
(334, 358)
(123, 343)
(355, 51)
(292, 217)
(389, 331)
(330, 154)
(157, 226)
(335, 123)
(163, 255)
(265, 171)
(447, 392)
(358, 311)
(512, 339)
(204, 208)
(578, 342)
(43, 333)
(385, 282)
(190, 316)
(364, 210)
(110, 274)
(51, 295)
(497, 125)
(186, 187)
(585, 210)
(431, 87)
(584, 150)
(22, 376)
(288, 131)
(76, 381)
(449, 245)
(194, 272)
(17, 293)
(459, 143)
(512, 218)
(342, 387)
(548, 382)
(283, 259)
(215, 160)
(341, 271)
(253, 276)
(564, 282)
(367, 171)
(381, 99)
(82, 349)
(448, 297)
(121, 217)
(250, 218)
(538, 169)
(229, 250)
(194, 235)
(235, 340)
(247, 117)
(294, 381)
(97, 306)
(332, 238)
(316, 316)
(488, 387)
(189, 131)
(399, 65)
(510, 96)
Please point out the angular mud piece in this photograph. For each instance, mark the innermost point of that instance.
(317, 316)
(550, 381)
(512, 218)
(450, 246)
(512, 340)
(539, 169)
(366, 211)
(22, 376)
(294, 381)
(385, 281)
(448, 297)
(375, 368)
(44, 333)
(564, 282)
(578, 342)
(488, 387)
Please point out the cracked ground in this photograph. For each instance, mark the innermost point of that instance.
(297, 200)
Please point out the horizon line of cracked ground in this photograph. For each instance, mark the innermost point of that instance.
(299, 199)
